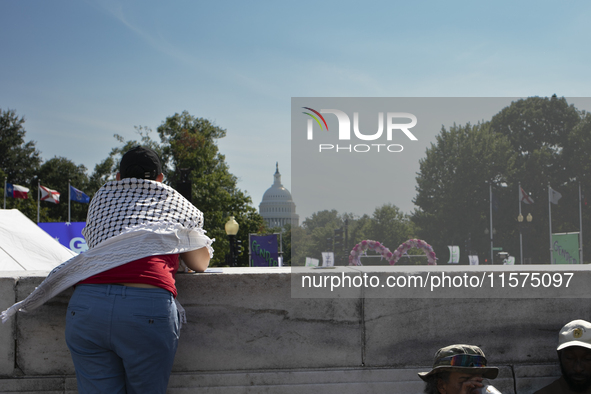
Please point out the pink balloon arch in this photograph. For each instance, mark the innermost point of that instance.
(364, 246)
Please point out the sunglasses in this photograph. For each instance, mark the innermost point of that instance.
(463, 360)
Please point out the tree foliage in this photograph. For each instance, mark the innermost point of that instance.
(535, 124)
(316, 235)
(535, 142)
(190, 143)
(55, 174)
(453, 185)
(19, 163)
(19, 160)
(107, 169)
(187, 142)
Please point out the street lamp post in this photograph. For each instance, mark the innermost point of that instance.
(520, 220)
(491, 222)
(231, 230)
(529, 218)
(492, 234)
(523, 227)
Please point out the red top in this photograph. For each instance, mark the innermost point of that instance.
(153, 270)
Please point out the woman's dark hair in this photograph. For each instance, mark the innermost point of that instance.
(141, 163)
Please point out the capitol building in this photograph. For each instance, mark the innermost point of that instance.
(277, 207)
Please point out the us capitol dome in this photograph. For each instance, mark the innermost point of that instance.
(277, 207)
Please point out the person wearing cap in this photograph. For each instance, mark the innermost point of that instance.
(458, 369)
(123, 320)
(574, 355)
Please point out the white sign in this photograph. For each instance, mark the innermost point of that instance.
(327, 259)
(454, 254)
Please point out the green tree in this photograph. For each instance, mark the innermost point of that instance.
(19, 160)
(536, 142)
(322, 219)
(390, 226)
(103, 173)
(577, 170)
(189, 143)
(107, 169)
(27, 206)
(55, 174)
(19, 163)
(286, 236)
(535, 123)
(317, 236)
(453, 189)
(387, 225)
(542, 132)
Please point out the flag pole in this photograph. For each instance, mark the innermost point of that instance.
(38, 197)
(580, 227)
(69, 190)
(5, 179)
(520, 226)
(550, 218)
(491, 222)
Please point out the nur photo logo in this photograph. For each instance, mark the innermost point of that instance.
(394, 125)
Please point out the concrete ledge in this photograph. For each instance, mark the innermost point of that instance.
(249, 321)
(49, 385)
(351, 381)
(41, 342)
(246, 334)
(330, 381)
(531, 378)
(300, 381)
(7, 330)
(510, 331)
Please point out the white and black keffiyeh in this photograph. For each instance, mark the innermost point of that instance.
(124, 204)
(127, 220)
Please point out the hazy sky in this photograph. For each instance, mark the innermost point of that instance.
(81, 71)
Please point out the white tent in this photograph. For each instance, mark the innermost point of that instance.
(24, 246)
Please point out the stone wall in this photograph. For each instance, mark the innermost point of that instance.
(246, 334)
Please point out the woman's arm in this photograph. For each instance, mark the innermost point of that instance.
(197, 260)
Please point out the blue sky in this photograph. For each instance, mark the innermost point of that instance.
(81, 71)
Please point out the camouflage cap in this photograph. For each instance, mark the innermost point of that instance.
(461, 358)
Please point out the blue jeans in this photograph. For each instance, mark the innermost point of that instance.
(122, 339)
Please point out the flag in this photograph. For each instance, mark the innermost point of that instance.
(554, 196)
(78, 195)
(49, 195)
(524, 197)
(16, 191)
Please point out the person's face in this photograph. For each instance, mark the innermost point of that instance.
(575, 363)
(461, 383)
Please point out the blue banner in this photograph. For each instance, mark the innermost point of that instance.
(263, 251)
(67, 234)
